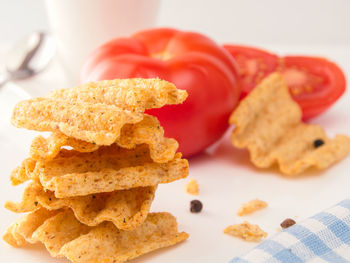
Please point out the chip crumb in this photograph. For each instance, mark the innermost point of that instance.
(251, 206)
(192, 187)
(287, 223)
(246, 231)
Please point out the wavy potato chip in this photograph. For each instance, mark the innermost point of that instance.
(268, 123)
(126, 209)
(48, 148)
(23, 172)
(132, 94)
(147, 131)
(95, 123)
(108, 169)
(21, 232)
(64, 236)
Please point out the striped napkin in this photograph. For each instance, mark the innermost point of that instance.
(324, 237)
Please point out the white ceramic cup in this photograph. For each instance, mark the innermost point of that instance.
(80, 26)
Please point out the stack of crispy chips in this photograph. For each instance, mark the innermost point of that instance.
(92, 181)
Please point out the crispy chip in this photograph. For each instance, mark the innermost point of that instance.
(150, 132)
(268, 123)
(47, 149)
(64, 236)
(246, 231)
(147, 131)
(95, 123)
(131, 94)
(108, 169)
(127, 209)
(23, 172)
(20, 232)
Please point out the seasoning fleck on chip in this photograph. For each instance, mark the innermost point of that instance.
(251, 206)
(196, 206)
(287, 223)
(192, 187)
(318, 143)
(246, 231)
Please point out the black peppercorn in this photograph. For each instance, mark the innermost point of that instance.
(196, 206)
(318, 143)
(287, 223)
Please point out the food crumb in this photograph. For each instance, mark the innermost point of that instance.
(246, 231)
(196, 206)
(287, 223)
(251, 206)
(192, 187)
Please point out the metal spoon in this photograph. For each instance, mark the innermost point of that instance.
(28, 57)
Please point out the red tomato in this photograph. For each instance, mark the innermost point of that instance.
(254, 64)
(314, 83)
(189, 60)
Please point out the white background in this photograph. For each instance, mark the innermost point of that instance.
(227, 179)
(259, 22)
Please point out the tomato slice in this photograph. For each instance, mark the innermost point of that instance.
(314, 83)
(254, 64)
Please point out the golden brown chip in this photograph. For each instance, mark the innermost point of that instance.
(23, 172)
(47, 149)
(158, 231)
(21, 231)
(268, 123)
(246, 231)
(59, 230)
(251, 206)
(132, 94)
(147, 131)
(105, 170)
(95, 123)
(127, 209)
(64, 236)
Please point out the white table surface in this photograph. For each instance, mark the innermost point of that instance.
(226, 178)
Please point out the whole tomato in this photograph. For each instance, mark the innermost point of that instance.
(189, 60)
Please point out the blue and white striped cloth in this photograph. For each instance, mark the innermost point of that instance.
(324, 237)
